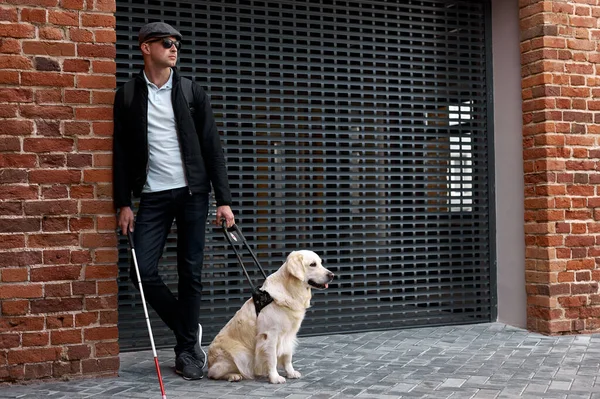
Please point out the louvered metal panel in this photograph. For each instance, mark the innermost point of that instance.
(357, 129)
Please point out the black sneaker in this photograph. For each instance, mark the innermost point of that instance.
(188, 366)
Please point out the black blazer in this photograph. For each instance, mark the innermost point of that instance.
(203, 159)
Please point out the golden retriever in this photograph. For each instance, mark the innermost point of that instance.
(251, 345)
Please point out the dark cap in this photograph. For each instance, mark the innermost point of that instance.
(157, 29)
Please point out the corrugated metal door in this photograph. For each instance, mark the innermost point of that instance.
(356, 129)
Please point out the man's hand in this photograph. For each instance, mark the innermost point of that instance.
(224, 212)
(125, 219)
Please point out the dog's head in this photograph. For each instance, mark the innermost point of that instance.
(307, 267)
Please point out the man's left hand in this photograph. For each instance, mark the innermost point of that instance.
(224, 212)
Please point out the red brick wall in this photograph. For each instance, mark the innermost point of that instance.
(57, 243)
(561, 112)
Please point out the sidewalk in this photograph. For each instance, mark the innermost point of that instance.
(473, 361)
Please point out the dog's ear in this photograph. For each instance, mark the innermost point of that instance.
(295, 266)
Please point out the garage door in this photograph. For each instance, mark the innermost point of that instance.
(357, 129)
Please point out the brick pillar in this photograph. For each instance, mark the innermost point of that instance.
(58, 290)
(561, 112)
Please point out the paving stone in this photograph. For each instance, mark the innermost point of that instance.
(478, 361)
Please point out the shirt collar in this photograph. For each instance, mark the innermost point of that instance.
(167, 85)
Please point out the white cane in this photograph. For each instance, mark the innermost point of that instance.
(137, 273)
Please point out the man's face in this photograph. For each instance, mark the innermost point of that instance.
(162, 51)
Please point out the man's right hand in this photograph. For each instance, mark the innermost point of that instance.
(125, 219)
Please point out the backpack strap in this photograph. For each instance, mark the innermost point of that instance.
(128, 90)
(186, 87)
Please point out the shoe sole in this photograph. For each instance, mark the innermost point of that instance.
(188, 378)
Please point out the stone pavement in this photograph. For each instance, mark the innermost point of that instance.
(472, 361)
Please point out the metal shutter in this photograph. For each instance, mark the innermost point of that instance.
(357, 129)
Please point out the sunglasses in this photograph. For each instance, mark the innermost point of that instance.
(168, 43)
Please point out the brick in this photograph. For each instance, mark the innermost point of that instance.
(98, 20)
(83, 288)
(52, 161)
(17, 160)
(8, 14)
(96, 50)
(62, 337)
(95, 81)
(17, 192)
(81, 35)
(51, 33)
(17, 307)
(38, 371)
(59, 321)
(103, 97)
(101, 271)
(28, 323)
(51, 305)
(9, 77)
(104, 349)
(15, 274)
(88, 318)
(77, 352)
(63, 369)
(81, 224)
(33, 355)
(10, 46)
(53, 240)
(20, 31)
(80, 161)
(109, 317)
(46, 112)
(8, 341)
(63, 18)
(94, 144)
(108, 287)
(77, 128)
(46, 64)
(15, 62)
(108, 364)
(97, 176)
(56, 273)
(49, 176)
(48, 145)
(51, 48)
(47, 128)
(36, 339)
(12, 241)
(48, 96)
(72, 4)
(94, 113)
(20, 225)
(56, 256)
(44, 78)
(77, 96)
(23, 258)
(76, 65)
(16, 127)
(14, 291)
(59, 290)
(101, 302)
(16, 95)
(103, 66)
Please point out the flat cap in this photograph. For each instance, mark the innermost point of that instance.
(157, 29)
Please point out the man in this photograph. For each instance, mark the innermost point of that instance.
(168, 152)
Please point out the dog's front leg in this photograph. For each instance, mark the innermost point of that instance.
(286, 359)
(266, 353)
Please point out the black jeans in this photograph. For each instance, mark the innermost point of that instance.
(152, 225)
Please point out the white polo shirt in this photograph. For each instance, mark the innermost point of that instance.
(165, 164)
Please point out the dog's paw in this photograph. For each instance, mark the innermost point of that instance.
(276, 379)
(234, 377)
(294, 374)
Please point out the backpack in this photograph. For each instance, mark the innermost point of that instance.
(186, 86)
